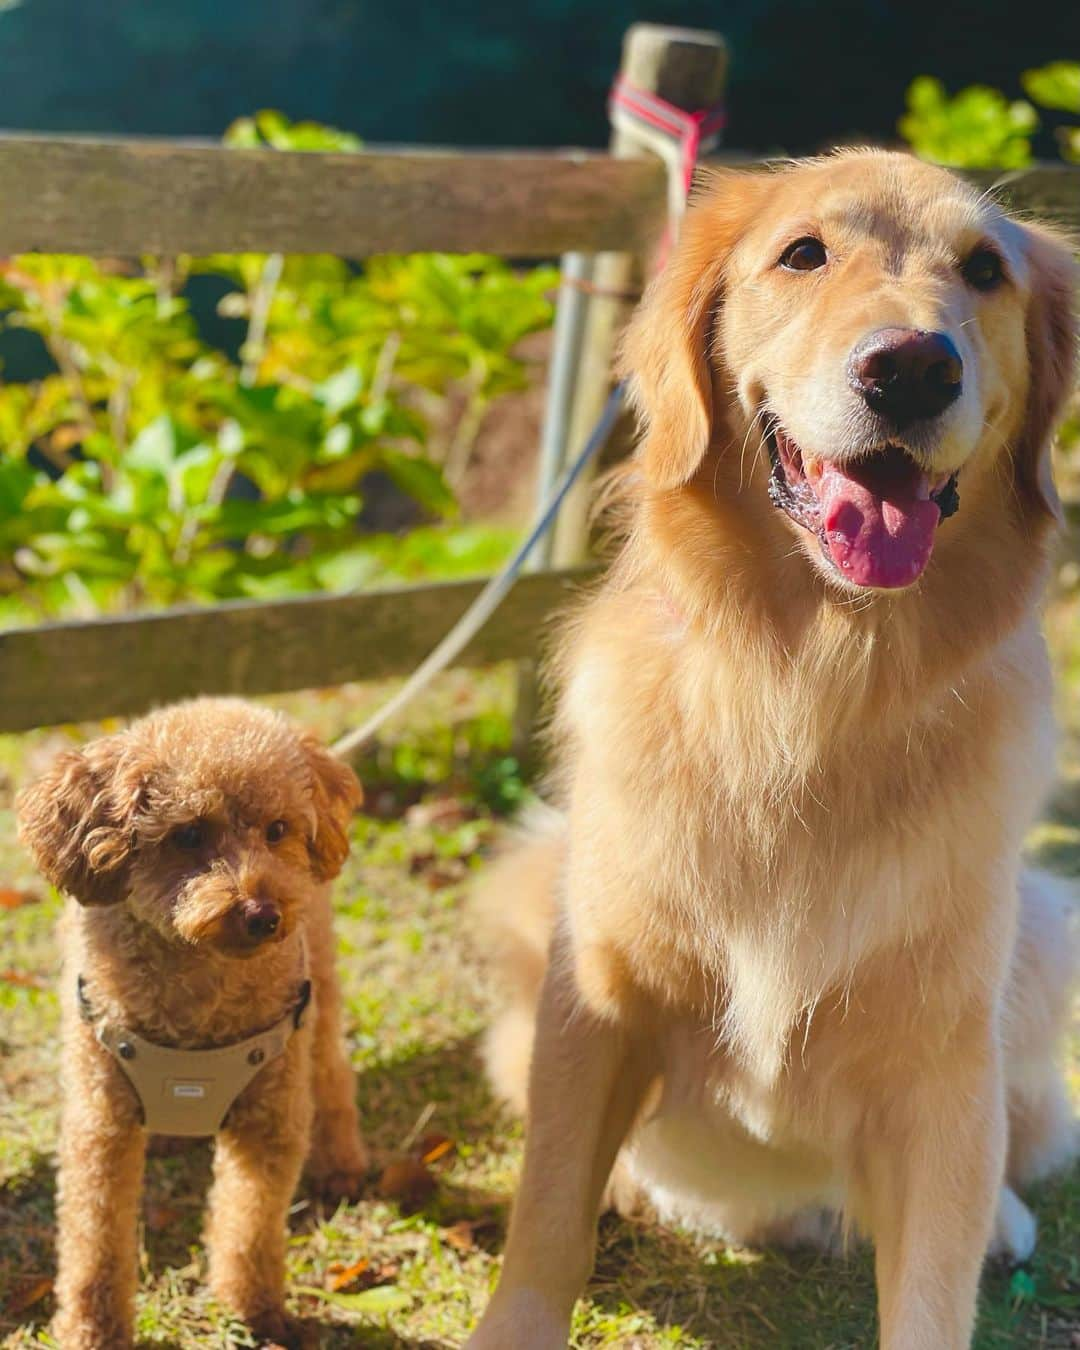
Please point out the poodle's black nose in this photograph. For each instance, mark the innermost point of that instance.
(906, 374)
(261, 919)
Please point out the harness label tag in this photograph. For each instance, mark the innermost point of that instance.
(197, 1090)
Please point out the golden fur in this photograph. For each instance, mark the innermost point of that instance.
(156, 931)
(771, 963)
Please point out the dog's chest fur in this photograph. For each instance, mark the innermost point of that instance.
(787, 862)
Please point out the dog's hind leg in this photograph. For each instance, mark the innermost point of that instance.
(102, 1152)
(1042, 1126)
(515, 907)
(258, 1156)
(338, 1159)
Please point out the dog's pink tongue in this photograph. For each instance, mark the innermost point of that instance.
(879, 521)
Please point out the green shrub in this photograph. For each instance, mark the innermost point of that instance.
(981, 128)
(150, 467)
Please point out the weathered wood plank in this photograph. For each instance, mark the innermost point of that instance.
(126, 198)
(73, 672)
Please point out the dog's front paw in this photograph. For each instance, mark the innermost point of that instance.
(338, 1186)
(339, 1165)
(276, 1330)
(1015, 1230)
(346, 1183)
(72, 1331)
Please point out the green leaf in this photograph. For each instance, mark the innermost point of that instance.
(384, 1298)
(1069, 143)
(157, 445)
(977, 128)
(271, 128)
(341, 389)
(1056, 85)
(422, 480)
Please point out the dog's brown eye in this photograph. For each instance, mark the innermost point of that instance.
(804, 255)
(190, 836)
(276, 831)
(984, 269)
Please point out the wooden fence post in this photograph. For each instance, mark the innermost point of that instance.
(687, 67)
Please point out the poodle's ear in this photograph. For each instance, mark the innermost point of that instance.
(667, 349)
(335, 795)
(1051, 346)
(78, 822)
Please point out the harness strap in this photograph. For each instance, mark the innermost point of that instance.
(190, 1092)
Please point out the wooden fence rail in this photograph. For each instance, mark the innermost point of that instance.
(126, 198)
(74, 672)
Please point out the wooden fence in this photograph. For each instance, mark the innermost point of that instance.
(126, 198)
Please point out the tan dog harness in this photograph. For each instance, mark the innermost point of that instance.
(190, 1092)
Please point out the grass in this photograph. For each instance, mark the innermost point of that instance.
(415, 1270)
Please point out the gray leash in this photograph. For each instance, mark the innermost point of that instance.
(491, 596)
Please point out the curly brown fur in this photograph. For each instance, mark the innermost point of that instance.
(165, 836)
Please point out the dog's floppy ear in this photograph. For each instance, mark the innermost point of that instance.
(78, 822)
(1051, 346)
(335, 795)
(666, 351)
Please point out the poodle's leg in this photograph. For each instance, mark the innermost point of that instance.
(338, 1160)
(102, 1152)
(258, 1157)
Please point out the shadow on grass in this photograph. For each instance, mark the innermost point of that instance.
(730, 1298)
(804, 1300)
(445, 1087)
(27, 1260)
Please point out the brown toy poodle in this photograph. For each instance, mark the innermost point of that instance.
(199, 994)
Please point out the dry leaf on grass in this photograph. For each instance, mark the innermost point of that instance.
(22, 979)
(339, 1277)
(460, 1236)
(33, 1291)
(160, 1217)
(13, 899)
(360, 1275)
(432, 1147)
(407, 1181)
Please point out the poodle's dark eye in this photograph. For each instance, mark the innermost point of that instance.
(190, 836)
(984, 269)
(804, 255)
(276, 831)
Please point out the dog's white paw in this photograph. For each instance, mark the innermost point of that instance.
(1015, 1229)
(813, 1229)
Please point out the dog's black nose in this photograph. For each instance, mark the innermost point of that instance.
(261, 919)
(905, 374)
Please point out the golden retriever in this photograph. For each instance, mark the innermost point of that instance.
(777, 961)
